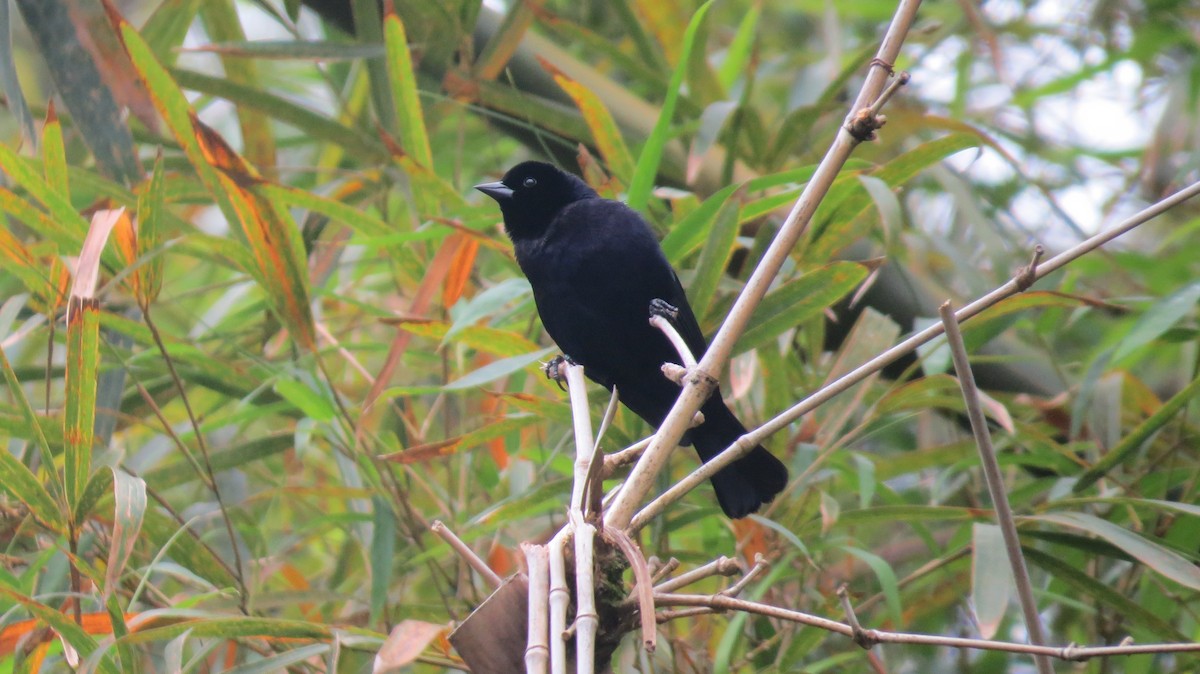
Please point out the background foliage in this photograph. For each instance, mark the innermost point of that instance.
(316, 341)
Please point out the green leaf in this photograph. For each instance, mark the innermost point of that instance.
(1086, 586)
(992, 582)
(714, 257)
(887, 581)
(83, 359)
(647, 166)
(383, 548)
(71, 633)
(167, 27)
(737, 55)
(1137, 437)
(405, 98)
(15, 477)
(314, 405)
(54, 155)
(165, 535)
(1157, 557)
(55, 26)
(501, 368)
(690, 232)
(13, 95)
(1160, 318)
(129, 509)
(798, 301)
(293, 50)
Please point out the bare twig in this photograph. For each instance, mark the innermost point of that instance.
(702, 382)
(468, 555)
(761, 565)
(722, 566)
(537, 646)
(625, 457)
(860, 636)
(1070, 652)
(824, 394)
(995, 483)
(665, 570)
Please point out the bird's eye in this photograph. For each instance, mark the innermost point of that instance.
(530, 182)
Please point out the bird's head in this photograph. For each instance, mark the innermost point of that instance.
(531, 194)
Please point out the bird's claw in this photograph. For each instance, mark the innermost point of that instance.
(553, 369)
(661, 307)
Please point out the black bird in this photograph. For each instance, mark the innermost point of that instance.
(595, 267)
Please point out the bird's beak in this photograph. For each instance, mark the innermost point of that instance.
(497, 190)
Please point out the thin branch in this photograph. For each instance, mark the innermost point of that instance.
(1070, 652)
(995, 483)
(761, 565)
(665, 570)
(702, 382)
(626, 456)
(819, 397)
(861, 637)
(722, 566)
(468, 555)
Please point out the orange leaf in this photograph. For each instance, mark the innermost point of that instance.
(425, 452)
(435, 273)
(492, 407)
(500, 560)
(460, 268)
(270, 237)
(93, 623)
(752, 538)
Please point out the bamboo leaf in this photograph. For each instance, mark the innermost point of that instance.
(151, 214)
(79, 79)
(83, 358)
(167, 27)
(690, 232)
(493, 371)
(1086, 586)
(291, 50)
(737, 55)
(992, 582)
(15, 477)
(1132, 442)
(223, 25)
(72, 635)
(600, 122)
(406, 100)
(1155, 556)
(54, 154)
(715, 255)
(9, 82)
(129, 508)
(647, 165)
(798, 301)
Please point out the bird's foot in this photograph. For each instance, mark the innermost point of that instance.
(554, 369)
(660, 307)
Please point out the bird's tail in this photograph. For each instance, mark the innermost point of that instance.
(749, 482)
